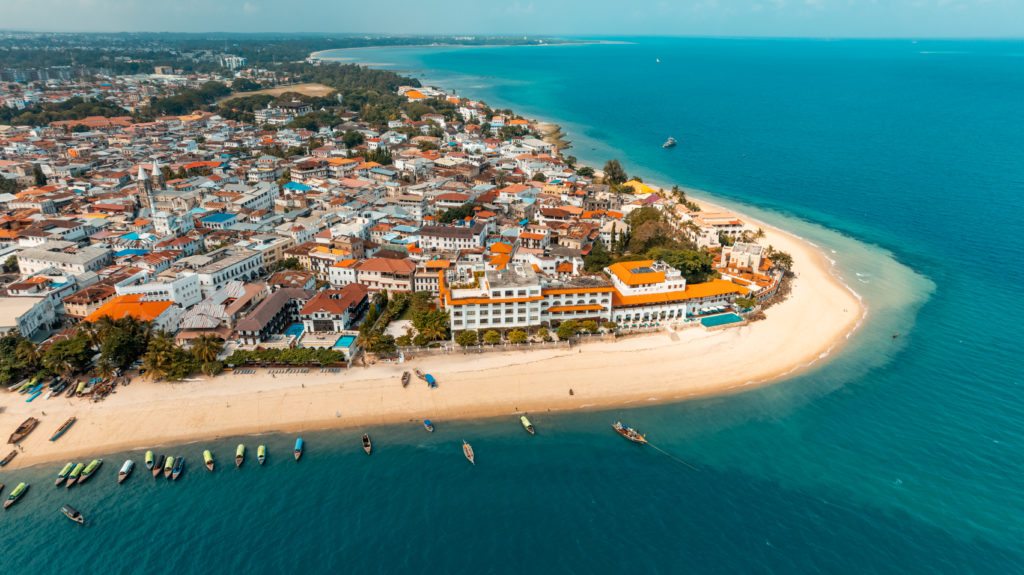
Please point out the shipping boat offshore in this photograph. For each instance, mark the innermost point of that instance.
(158, 467)
(9, 457)
(428, 425)
(168, 467)
(23, 430)
(298, 448)
(15, 495)
(179, 467)
(126, 471)
(90, 470)
(527, 425)
(63, 475)
(149, 459)
(60, 431)
(467, 450)
(366, 444)
(239, 455)
(208, 459)
(261, 454)
(74, 475)
(629, 433)
(73, 514)
(669, 143)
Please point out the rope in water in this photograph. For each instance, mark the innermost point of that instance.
(674, 457)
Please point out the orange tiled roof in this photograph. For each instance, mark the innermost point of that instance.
(695, 291)
(591, 307)
(626, 273)
(131, 305)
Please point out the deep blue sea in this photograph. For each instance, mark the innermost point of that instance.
(903, 160)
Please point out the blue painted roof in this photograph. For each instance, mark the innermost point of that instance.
(297, 186)
(406, 229)
(219, 218)
(123, 253)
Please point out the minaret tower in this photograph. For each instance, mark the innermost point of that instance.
(145, 188)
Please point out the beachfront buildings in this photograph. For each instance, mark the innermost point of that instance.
(495, 299)
(652, 290)
(335, 310)
(65, 256)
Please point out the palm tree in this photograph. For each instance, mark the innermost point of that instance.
(156, 364)
(103, 326)
(28, 353)
(104, 369)
(207, 347)
(92, 332)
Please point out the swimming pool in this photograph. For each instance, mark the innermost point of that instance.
(344, 342)
(717, 320)
(295, 329)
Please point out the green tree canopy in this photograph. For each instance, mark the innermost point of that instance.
(614, 173)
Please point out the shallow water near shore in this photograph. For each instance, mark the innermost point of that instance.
(894, 455)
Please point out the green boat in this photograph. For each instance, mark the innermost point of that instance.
(64, 473)
(208, 459)
(526, 425)
(150, 460)
(240, 455)
(73, 476)
(16, 494)
(168, 467)
(93, 466)
(261, 454)
(81, 386)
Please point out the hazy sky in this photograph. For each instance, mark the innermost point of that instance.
(813, 18)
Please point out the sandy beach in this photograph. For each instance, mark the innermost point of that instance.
(816, 319)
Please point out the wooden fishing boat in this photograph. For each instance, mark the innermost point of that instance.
(149, 459)
(23, 430)
(629, 433)
(239, 455)
(159, 466)
(405, 379)
(168, 467)
(298, 448)
(420, 375)
(63, 475)
(208, 459)
(428, 425)
(467, 450)
(73, 514)
(179, 467)
(15, 495)
(126, 471)
(60, 431)
(527, 425)
(76, 472)
(90, 470)
(366, 444)
(261, 454)
(9, 457)
(71, 390)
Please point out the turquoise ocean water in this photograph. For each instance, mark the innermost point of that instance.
(901, 160)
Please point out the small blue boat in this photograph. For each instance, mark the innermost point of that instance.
(298, 448)
(34, 395)
(430, 381)
(427, 424)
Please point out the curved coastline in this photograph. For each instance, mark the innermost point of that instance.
(803, 332)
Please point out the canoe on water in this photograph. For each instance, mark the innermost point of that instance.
(240, 455)
(298, 448)
(366, 444)
(208, 459)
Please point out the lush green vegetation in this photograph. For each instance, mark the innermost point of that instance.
(186, 101)
(72, 109)
(294, 356)
(457, 213)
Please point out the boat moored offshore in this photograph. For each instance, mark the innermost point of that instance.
(16, 494)
(367, 447)
(158, 466)
(179, 467)
(208, 459)
(467, 450)
(126, 470)
(629, 433)
(428, 425)
(63, 475)
(526, 424)
(168, 467)
(298, 448)
(239, 455)
(149, 459)
(73, 514)
(261, 454)
(76, 472)
(90, 470)
(669, 143)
